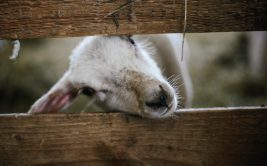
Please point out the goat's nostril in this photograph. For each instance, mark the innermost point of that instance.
(163, 100)
(159, 102)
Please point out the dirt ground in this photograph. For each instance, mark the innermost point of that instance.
(218, 67)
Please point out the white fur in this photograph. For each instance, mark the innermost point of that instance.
(115, 53)
(125, 76)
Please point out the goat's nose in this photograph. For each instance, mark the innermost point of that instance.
(159, 101)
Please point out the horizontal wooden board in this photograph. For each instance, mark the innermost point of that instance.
(212, 136)
(61, 18)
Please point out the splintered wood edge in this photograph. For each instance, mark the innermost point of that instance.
(178, 112)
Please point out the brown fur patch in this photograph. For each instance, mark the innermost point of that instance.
(137, 82)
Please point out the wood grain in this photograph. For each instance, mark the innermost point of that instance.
(212, 136)
(61, 18)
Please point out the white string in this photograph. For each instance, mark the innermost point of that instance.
(185, 19)
(92, 101)
(16, 48)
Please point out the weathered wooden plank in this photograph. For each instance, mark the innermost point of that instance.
(219, 136)
(59, 18)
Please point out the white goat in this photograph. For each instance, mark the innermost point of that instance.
(119, 72)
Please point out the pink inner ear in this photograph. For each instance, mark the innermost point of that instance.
(54, 101)
(59, 101)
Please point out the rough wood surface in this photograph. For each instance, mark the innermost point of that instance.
(60, 18)
(219, 136)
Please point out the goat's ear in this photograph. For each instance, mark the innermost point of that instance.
(58, 97)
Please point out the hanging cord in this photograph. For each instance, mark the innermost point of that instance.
(128, 3)
(16, 49)
(114, 14)
(185, 18)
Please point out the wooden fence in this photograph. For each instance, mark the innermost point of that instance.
(212, 136)
(221, 136)
(59, 18)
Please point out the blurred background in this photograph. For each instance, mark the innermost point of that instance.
(227, 69)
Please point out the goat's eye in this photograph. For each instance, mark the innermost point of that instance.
(88, 91)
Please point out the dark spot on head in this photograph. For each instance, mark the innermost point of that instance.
(131, 41)
(127, 38)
